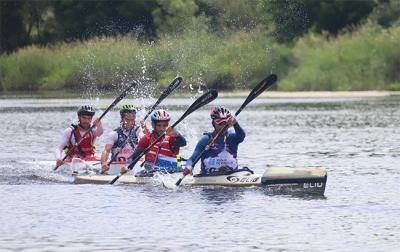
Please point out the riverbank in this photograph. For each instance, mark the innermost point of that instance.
(225, 94)
(364, 59)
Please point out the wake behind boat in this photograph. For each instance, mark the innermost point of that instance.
(305, 180)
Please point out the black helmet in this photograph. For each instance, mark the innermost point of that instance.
(86, 110)
(127, 108)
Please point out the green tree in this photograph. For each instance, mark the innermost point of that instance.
(83, 19)
(231, 14)
(387, 13)
(12, 29)
(173, 16)
(291, 19)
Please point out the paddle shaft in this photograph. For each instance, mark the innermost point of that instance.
(115, 102)
(201, 101)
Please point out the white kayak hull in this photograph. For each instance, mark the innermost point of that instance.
(308, 180)
(79, 166)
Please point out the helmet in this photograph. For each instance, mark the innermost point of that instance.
(160, 115)
(127, 108)
(220, 114)
(86, 110)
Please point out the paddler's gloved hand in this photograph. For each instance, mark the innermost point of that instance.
(124, 169)
(186, 171)
(59, 162)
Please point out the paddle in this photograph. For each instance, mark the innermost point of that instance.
(118, 99)
(265, 84)
(174, 84)
(200, 102)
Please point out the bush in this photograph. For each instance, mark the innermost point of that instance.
(367, 59)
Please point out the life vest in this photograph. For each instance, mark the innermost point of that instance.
(123, 148)
(85, 148)
(162, 156)
(219, 156)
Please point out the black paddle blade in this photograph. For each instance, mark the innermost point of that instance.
(174, 85)
(265, 84)
(206, 98)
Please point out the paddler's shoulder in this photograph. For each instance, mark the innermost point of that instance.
(205, 137)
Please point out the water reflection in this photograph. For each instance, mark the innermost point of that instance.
(219, 195)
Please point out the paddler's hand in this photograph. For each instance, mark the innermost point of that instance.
(124, 170)
(97, 122)
(104, 167)
(59, 162)
(232, 121)
(186, 171)
(170, 131)
(144, 127)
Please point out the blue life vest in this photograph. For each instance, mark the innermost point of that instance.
(121, 141)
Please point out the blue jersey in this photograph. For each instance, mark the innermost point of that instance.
(223, 153)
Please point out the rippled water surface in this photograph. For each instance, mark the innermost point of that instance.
(356, 139)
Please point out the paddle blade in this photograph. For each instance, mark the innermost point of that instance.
(265, 84)
(206, 98)
(174, 85)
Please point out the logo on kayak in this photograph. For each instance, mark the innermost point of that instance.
(313, 185)
(235, 179)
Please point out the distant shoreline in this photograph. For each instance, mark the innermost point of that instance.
(225, 94)
(314, 94)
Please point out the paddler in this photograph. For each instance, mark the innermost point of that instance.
(122, 141)
(163, 156)
(73, 134)
(221, 158)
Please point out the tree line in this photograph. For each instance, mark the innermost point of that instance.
(44, 22)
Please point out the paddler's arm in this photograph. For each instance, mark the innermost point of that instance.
(144, 127)
(201, 145)
(61, 144)
(239, 134)
(110, 140)
(98, 127)
(104, 157)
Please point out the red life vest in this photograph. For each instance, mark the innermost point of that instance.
(165, 149)
(85, 148)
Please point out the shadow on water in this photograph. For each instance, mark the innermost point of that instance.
(221, 195)
(292, 193)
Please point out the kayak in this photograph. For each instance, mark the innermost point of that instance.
(304, 180)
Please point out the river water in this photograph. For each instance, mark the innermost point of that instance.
(356, 139)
